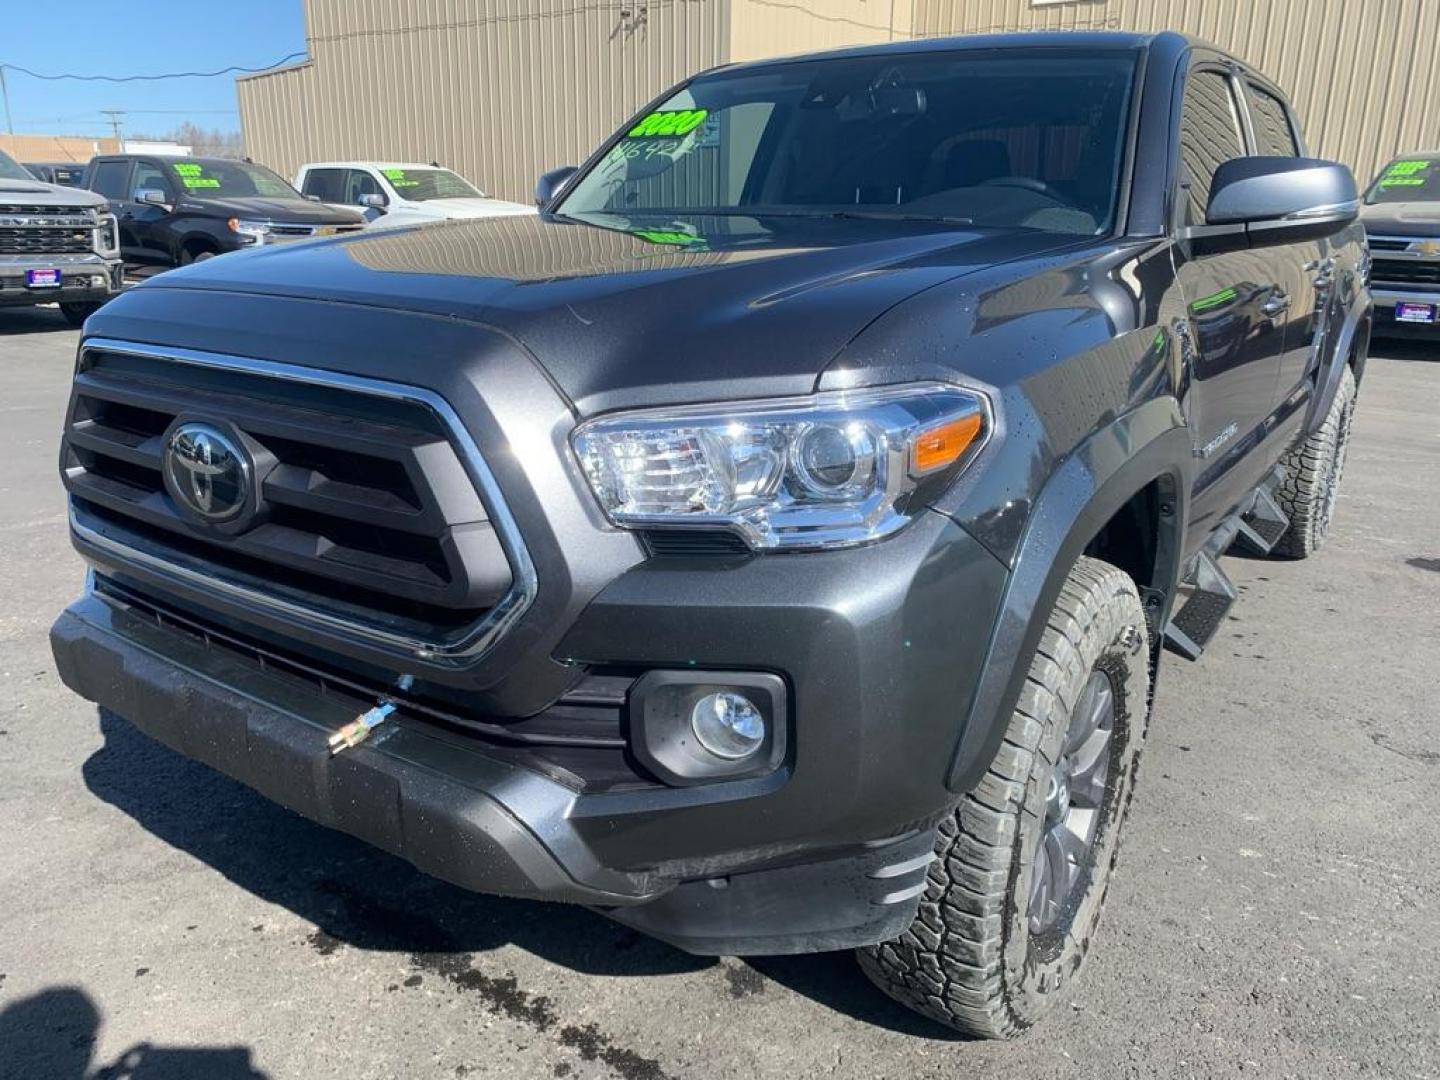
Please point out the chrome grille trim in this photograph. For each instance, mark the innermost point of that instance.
(477, 640)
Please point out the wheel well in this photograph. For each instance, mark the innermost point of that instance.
(196, 244)
(1140, 537)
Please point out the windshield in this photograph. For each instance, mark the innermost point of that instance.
(1412, 179)
(422, 185)
(10, 169)
(230, 179)
(1020, 140)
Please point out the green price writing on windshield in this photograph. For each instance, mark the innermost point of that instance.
(1405, 174)
(669, 123)
(398, 179)
(193, 176)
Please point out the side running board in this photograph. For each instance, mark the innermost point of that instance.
(1255, 530)
(1211, 594)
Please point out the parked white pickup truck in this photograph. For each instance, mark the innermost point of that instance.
(400, 193)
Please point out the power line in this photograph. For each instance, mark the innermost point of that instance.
(232, 70)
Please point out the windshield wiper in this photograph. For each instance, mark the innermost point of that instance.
(895, 215)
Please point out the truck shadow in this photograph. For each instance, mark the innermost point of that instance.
(353, 894)
(31, 320)
(358, 896)
(52, 1034)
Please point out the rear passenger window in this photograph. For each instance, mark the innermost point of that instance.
(327, 185)
(1274, 137)
(1209, 135)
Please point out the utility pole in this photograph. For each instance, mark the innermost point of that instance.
(114, 115)
(5, 94)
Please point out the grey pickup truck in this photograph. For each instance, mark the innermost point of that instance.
(772, 543)
(57, 245)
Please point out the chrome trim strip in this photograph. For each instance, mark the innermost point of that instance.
(478, 638)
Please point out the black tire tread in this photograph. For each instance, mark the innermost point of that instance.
(950, 964)
(1307, 466)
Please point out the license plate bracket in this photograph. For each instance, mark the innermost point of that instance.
(1417, 313)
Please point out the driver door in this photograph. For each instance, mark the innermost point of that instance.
(1236, 307)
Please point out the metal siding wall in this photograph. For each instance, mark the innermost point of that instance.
(1360, 73)
(763, 28)
(499, 90)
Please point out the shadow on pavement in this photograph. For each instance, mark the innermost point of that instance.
(31, 320)
(1413, 349)
(354, 894)
(52, 1034)
(359, 896)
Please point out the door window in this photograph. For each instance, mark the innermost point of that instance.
(150, 176)
(360, 183)
(1209, 136)
(327, 185)
(1274, 137)
(110, 177)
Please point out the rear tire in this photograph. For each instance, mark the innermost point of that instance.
(990, 949)
(1313, 471)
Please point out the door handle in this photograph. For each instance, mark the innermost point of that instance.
(1278, 304)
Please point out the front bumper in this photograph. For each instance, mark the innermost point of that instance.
(829, 852)
(83, 279)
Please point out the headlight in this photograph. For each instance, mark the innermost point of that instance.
(107, 234)
(823, 471)
(255, 230)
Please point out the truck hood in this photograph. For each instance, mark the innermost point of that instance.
(37, 193)
(299, 211)
(1402, 219)
(622, 316)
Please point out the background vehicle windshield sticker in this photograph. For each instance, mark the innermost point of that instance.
(193, 176)
(1407, 174)
(669, 124)
(398, 178)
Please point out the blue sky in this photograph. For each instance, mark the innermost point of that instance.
(106, 37)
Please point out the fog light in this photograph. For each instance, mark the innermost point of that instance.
(728, 725)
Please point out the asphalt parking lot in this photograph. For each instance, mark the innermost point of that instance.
(1275, 912)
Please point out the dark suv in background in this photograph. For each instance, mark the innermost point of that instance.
(1402, 218)
(770, 543)
(174, 211)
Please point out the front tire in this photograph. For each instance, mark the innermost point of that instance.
(1313, 471)
(76, 312)
(1023, 863)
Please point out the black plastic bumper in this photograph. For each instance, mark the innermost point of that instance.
(433, 798)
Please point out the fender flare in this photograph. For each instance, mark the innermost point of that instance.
(1354, 340)
(1088, 488)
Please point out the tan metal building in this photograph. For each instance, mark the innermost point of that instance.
(502, 89)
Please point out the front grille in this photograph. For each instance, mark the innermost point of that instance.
(368, 520)
(16, 240)
(1378, 243)
(1416, 272)
(298, 232)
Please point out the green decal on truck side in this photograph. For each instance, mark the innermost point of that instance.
(669, 123)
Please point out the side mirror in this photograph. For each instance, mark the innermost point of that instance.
(313, 198)
(152, 197)
(374, 200)
(550, 183)
(1259, 201)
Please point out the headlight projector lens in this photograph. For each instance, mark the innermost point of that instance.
(728, 725)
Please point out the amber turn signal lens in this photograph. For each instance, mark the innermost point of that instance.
(942, 446)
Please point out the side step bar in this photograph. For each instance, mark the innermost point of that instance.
(1211, 594)
(1255, 530)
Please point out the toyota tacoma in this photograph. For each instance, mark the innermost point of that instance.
(772, 542)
